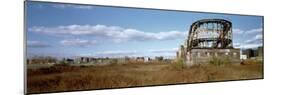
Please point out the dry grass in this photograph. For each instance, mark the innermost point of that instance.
(64, 78)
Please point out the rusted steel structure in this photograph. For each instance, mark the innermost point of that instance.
(210, 33)
(208, 38)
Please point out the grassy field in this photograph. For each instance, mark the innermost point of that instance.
(65, 78)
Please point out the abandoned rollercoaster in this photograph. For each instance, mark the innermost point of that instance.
(208, 38)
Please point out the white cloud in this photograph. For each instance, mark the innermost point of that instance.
(249, 41)
(122, 53)
(72, 6)
(254, 45)
(173, 50)
(115, 33)
(115, 53)
(251, 31)
(36, 44)
(78, 42)
(238, 31)
(259, 37)
(236, 45)
(249, 38)
(258, 30)
(246, 45)
(256, 41)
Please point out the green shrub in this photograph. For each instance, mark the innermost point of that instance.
(179, 64)
(259, 61)
(251, 61)
(62, 64)
(113, 62)
(219, 60)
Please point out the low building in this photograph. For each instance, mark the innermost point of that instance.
(206, 55)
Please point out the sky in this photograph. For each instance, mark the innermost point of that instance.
(68, 30)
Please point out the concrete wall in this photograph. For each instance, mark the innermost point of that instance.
(205, 55)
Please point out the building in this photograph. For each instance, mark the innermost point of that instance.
(253, 52)
(260, 51)
(209, 38)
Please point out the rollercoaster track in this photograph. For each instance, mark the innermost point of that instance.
(210, 33)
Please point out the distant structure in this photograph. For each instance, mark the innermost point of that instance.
(209, 38)
(253, 53)
(119, 60)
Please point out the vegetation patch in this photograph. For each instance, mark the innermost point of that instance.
(65, 78)
(220, 60)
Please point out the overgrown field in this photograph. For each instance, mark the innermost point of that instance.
(64, 78)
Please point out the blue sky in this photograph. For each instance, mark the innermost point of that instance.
(65, 30)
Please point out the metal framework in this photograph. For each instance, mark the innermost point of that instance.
(210, 33)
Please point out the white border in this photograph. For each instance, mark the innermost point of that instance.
(12, 47)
